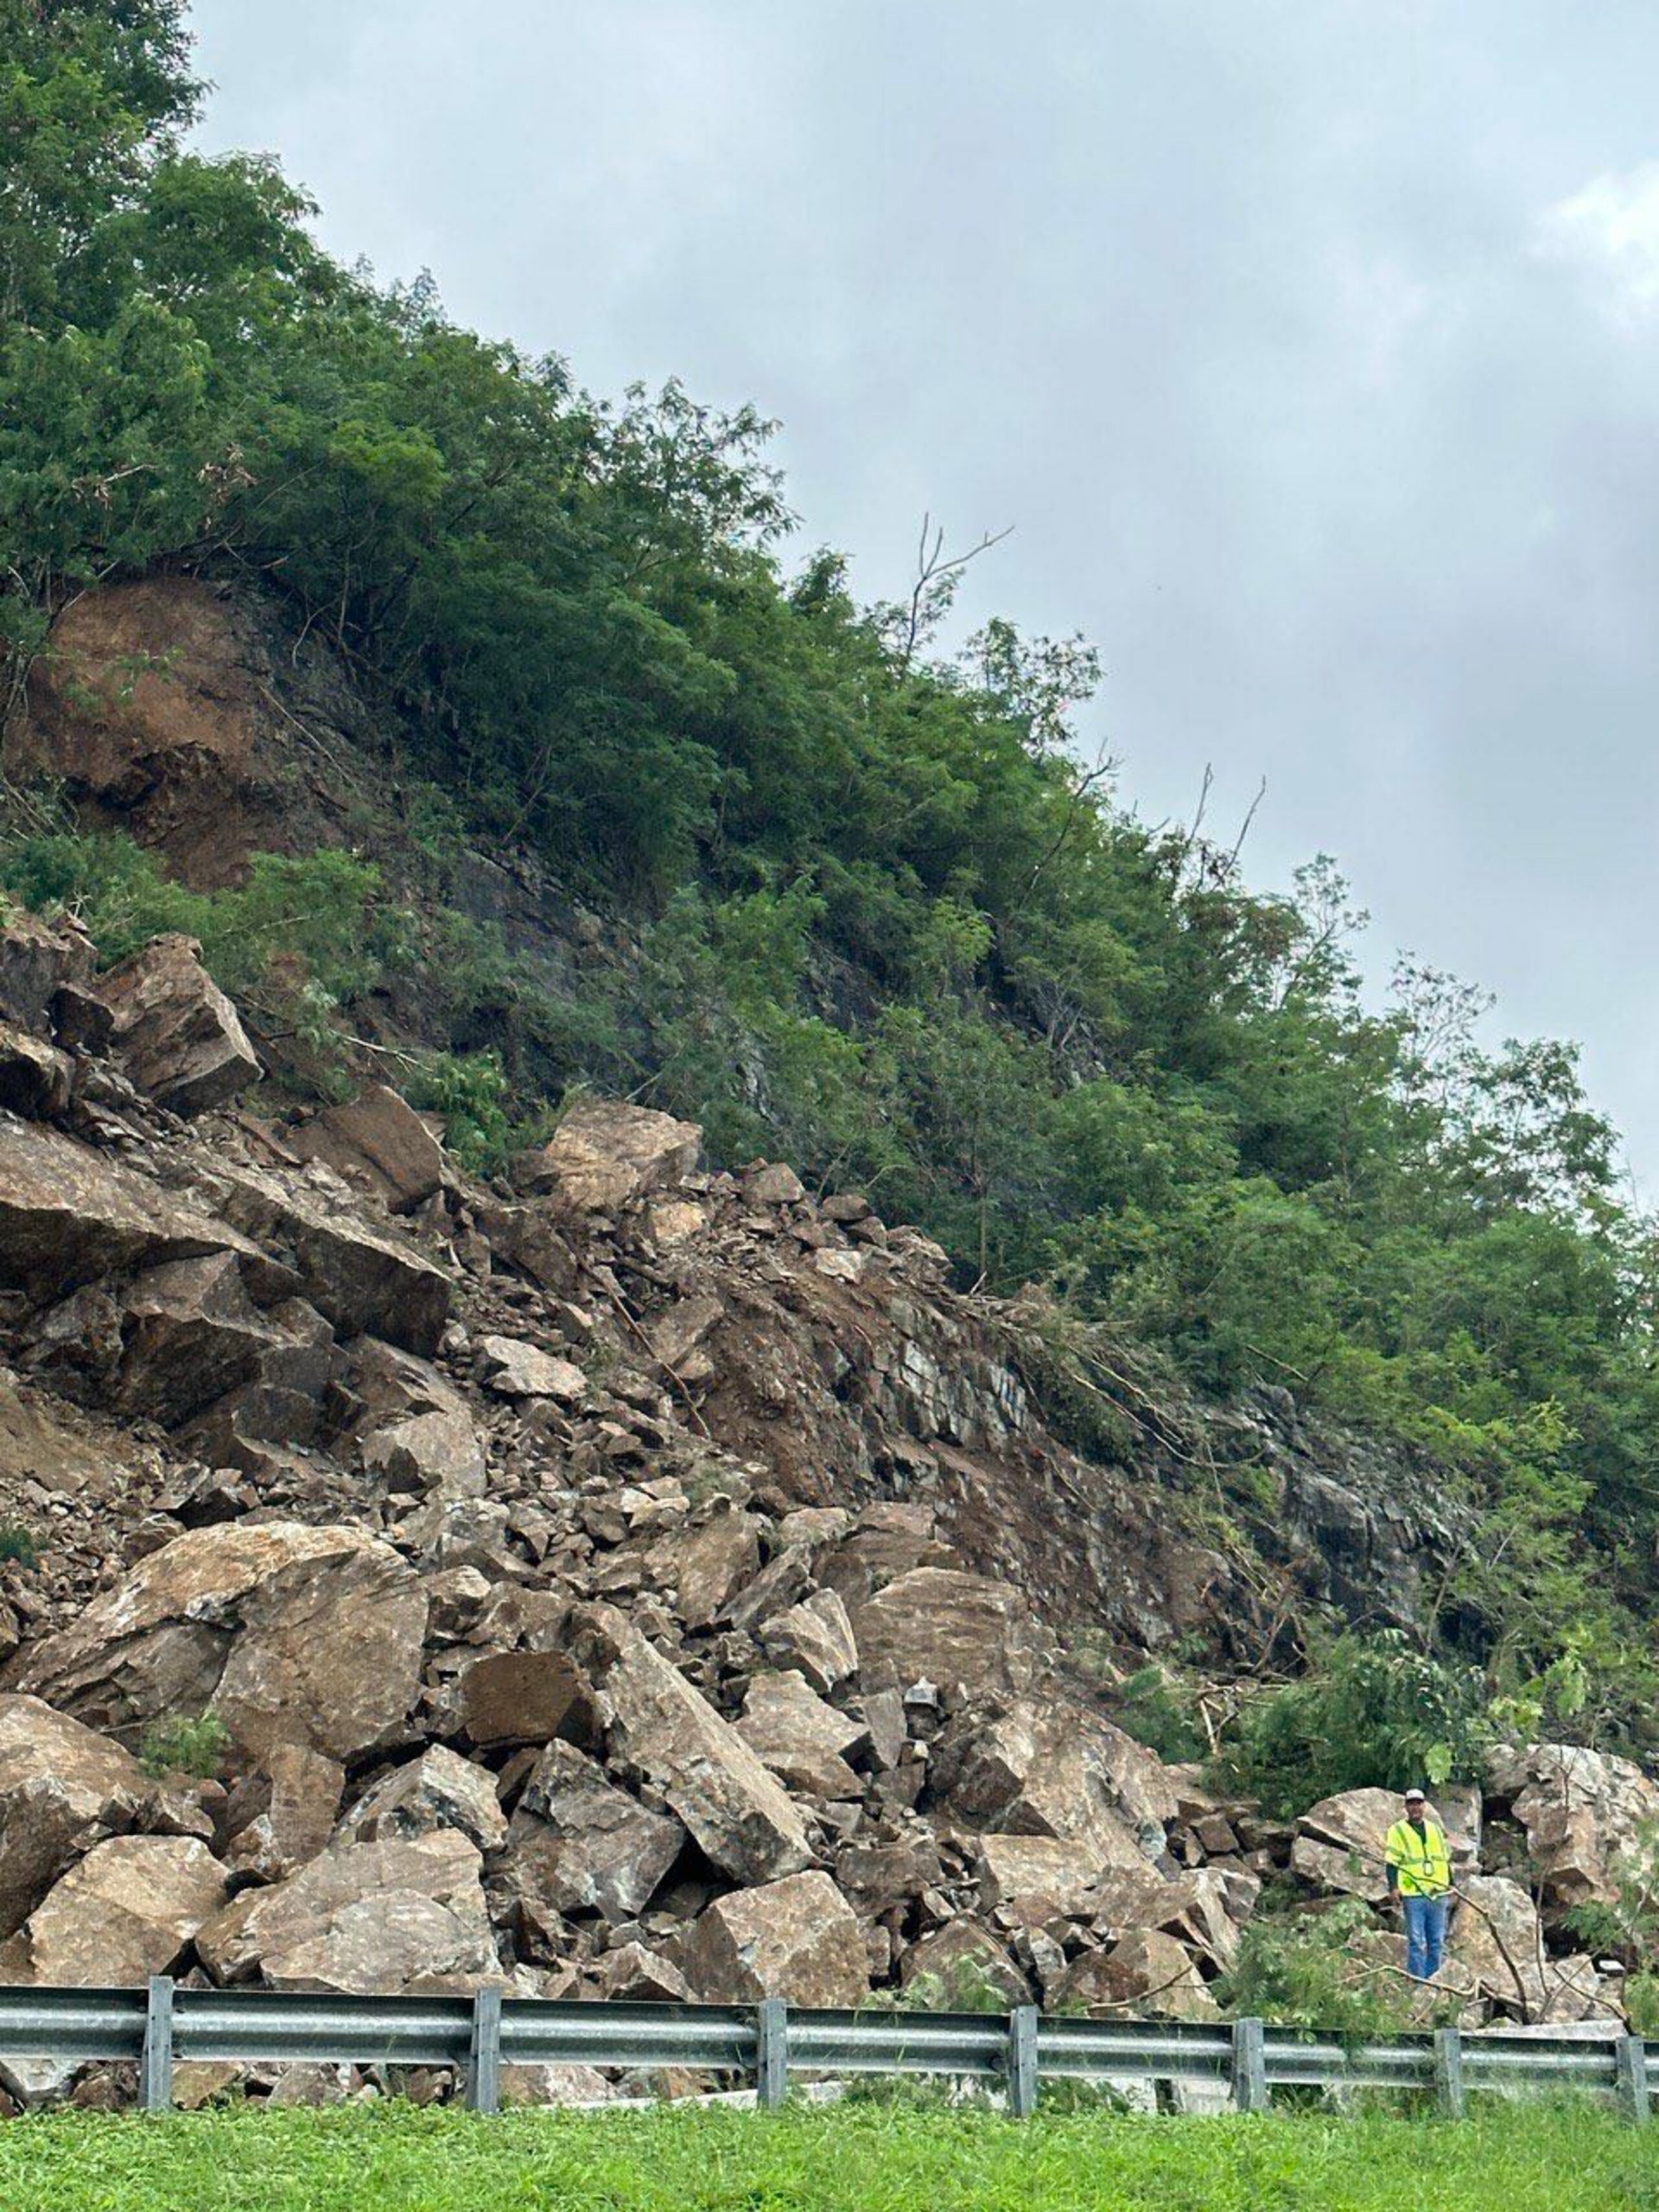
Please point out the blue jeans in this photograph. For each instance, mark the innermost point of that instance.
(1425, 1936)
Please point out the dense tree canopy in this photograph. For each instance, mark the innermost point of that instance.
(888, 925)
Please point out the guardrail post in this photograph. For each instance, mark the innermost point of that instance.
(1023, 2062)
(1250, 2066)
(1449, 2073)
(1630, 2065)
(771, 2054)
(483, 2070)
(155, 2063)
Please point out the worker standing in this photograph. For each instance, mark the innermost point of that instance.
(1419, 1874)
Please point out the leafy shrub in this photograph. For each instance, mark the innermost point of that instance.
(1373, 1711)
(19, 1543)
(1305, 1973)
(181, 1746)
(1153, 1711)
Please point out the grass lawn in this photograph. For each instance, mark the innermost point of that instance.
(857, 2158)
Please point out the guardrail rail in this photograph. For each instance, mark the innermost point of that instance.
(158, 2025)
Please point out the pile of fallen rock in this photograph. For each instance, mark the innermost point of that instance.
(625, 1581)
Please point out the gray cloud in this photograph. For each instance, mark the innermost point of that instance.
(1310, 345)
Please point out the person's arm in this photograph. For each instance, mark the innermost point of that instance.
(1393, 1878)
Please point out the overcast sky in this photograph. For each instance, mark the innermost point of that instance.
(1309, 345)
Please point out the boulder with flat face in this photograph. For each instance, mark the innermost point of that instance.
(1586, 1814)
(959, 1964)
(1339, 1842)
(1149, 1975)
(291, 1634)
(664, 1731)
(795, 1938)
(815, 1639)
(367, 1281)
(513, 1369)
(1044, 1768)
(579, 1845)
(190, 1334)
(801, 1738)
(439, 1789)
(129, 1909)
(299, 1792)
(34, 1076)
(417, 1432)
(378, 1141)
(968, 1635)
(38, 960)
(70, 1214)
(714, 1563)
(526, 1696)
(605, 1155)
(177, 1036)
(1498, 1937)
(64, 1789)
(381, 1918)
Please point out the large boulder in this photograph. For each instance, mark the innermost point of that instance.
(604, 1155)
(1339, 1842)
(714, 1562)
(1047, 1769)
(406, 1914)
(815, 1639)
(34, 1076)
(513, 1369)
(526, 1696)
(38, 960)
(958, 1965)
(1586, 1814)
(1149, 1976)
(296, 1792)
(378, 1141)
(291, 1634)
(68, 1214)
(129, 1909)
(796, 1939)
(177, 1036)
(417, 1432)
(367, 1281)
(579, 1845)
(803, 1740)
(437, 1790)
(1498, 1937)
(664, 1731)
(968, 1636)
(64, 1789)
(190, 1334)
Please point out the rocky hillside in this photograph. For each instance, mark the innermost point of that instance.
(622, 1580)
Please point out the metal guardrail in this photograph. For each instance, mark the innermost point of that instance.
(162, 2024)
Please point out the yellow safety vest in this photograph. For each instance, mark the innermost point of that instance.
(1423, 1862)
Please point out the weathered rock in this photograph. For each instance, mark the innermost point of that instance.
(191, 1334)
(959, 1965)
(579, 1845)
(1584, 1813)
(177, 1036)
(969, 1635)
(664, 1731)
(128, 1911)
(803, 1740)
(437, 1790)
(62, 1791)
(604, 1155)
(888, 1539)
(815, 1638)
(68, 1213)
(1202, 1909)
(774, 1184)
(1339, 1842)
(513, 1369)
(301, 1790)
(1497, 1935)
(34, 1076)
(633, 1975)
(794, 1939)
(1011, 1868)
(716, 1561)
(384, 1917)
(876, 1874)
(678, 1337)
(367, 1281)
(291, 1634)
(39, 959)
(526, 1696)
(377, 1140)
(1052, 1770)
(1148, 1975)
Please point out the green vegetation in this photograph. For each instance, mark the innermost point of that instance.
(868, 911)
(180, 1746)
(863, 2158)
(19, 1543)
